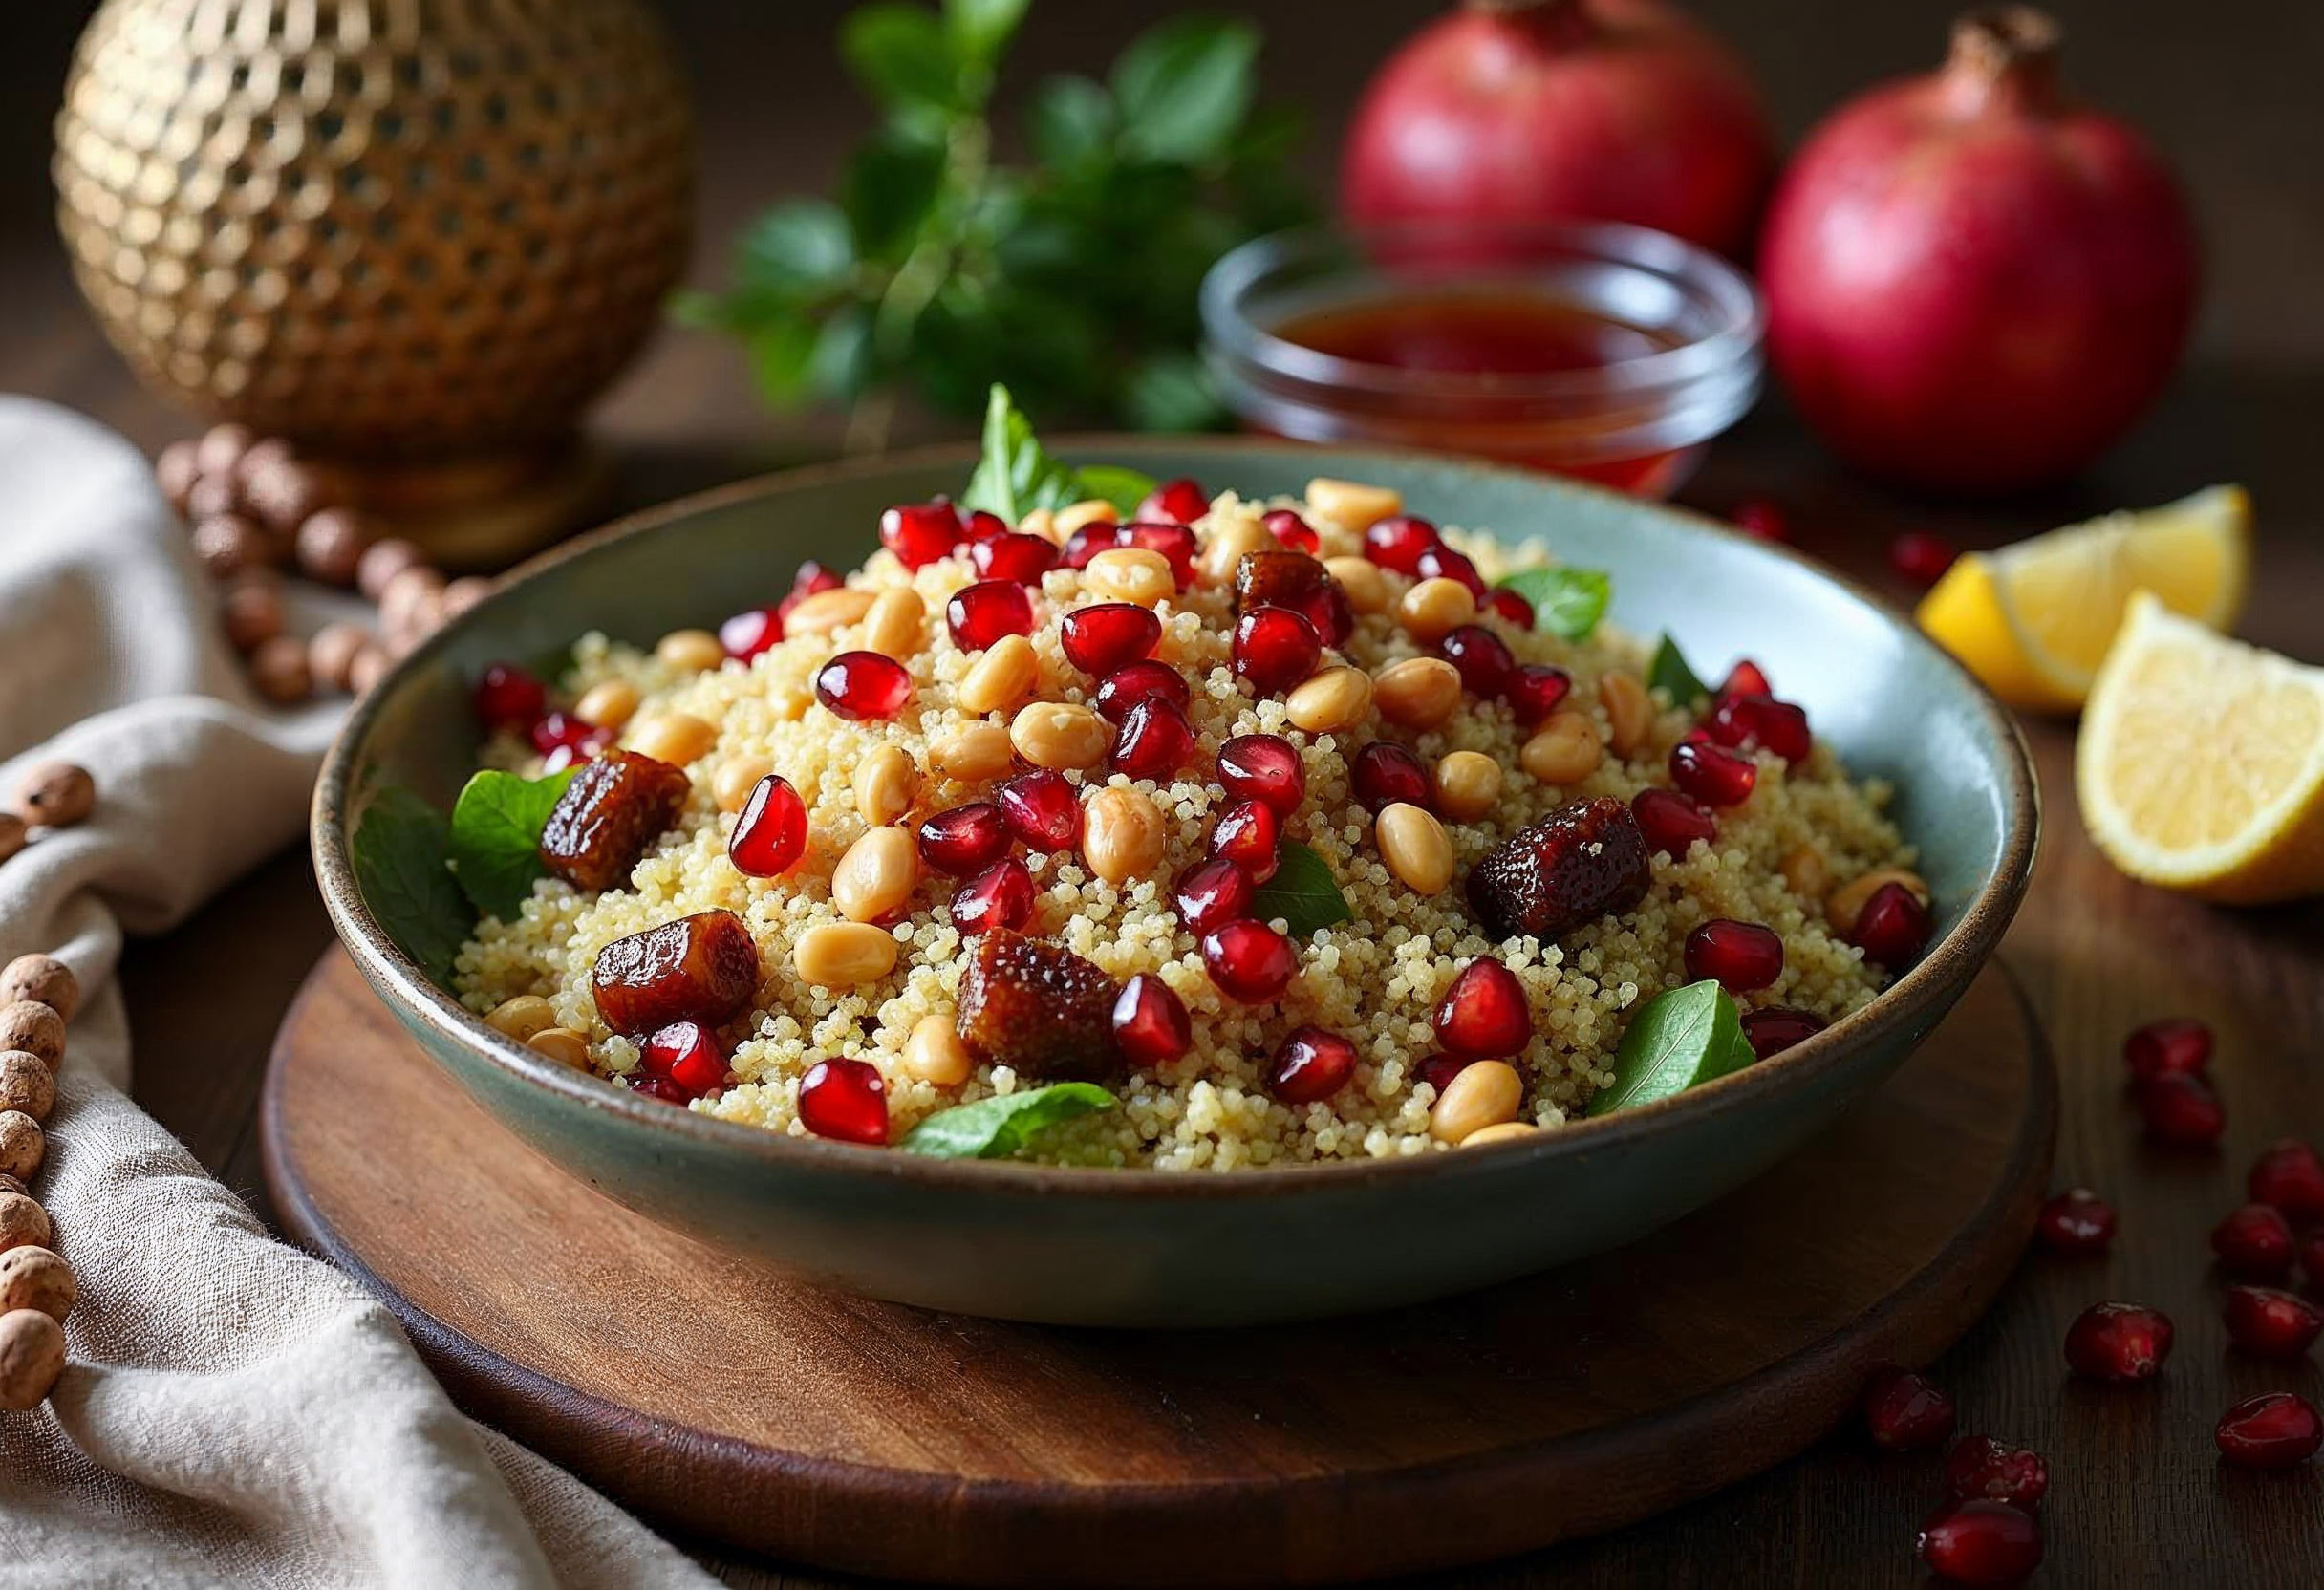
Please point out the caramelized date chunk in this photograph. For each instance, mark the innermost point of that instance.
(616, 806)
(701, 969)
(1036, 1007)
(1581, 861)
(1286, 579)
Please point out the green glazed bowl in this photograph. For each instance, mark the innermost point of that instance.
(1153, 1249)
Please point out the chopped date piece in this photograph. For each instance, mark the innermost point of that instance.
(1581, 861)
(1036, 1007)
(1283, 579)
(702, 968)
(615, 807)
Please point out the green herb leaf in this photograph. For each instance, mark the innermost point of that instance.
(782, 355)
(1173, 392)
(1566, 602)
(1124, 488)
(891, 187)
(401, 851)
(1015, 475)
(1070, 119)
(1302, 892)
(1185, 86)
(1669, 671)
(901, 54)
(495, 844)
(981, 28)
(801, 250)
(1003, 1125)
(1682, 1037)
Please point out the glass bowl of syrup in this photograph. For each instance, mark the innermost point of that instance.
(1606, 352)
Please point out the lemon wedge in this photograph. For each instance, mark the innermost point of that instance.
(2201, 762)
(2034, 620)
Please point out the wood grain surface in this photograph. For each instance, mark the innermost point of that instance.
(719, 1397)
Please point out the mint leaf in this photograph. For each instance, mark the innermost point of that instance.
(1302, 892)
(1566, 602)
(1015, 475)
(400, 850)
(1669, 671)
(1001, 1126)
(901, 54)
(1682, 1037)
(1184, 88)
(1125, 489)
(495, 845)
(798, 251)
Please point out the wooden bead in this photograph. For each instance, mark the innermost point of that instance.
(284, 493)
(369, 667)
(34, 1277)
(27, 1084)
(330, 544)
(221, 446)
(411, 599)
(226, 544)
(30, 1025)
(56, 794)
(381, 561)
(267, 452)
(331, 652)
(32, 1356)
(279, 670)
(460, 595)
(176, 470)
(23, 1145)
(213, 497)
(250, 611)
(23, 1222)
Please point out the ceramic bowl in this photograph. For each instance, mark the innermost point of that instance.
(1144, 1249)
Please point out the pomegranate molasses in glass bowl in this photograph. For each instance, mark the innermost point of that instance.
(1609, 353)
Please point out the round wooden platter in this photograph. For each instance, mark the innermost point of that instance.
(722, 1400)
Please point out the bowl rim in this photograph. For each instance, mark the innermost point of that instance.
(1919, 995)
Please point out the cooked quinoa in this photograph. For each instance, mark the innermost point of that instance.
(1374, 978)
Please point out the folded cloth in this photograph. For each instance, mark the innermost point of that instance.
(235, 1413)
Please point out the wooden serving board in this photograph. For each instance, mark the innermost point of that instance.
(725, 1400)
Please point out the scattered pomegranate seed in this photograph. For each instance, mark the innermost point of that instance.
(1442, 563)
(1439, 1070)
(2075, 1221)
(2270, 1323)
(1043, 811)
(978, 526)
(999, 897)
(1770, 1031)
(508, 696)
(1892, 927)
(1155, 741)
(771, 835)
(687, 1053)
(562, 732)
(1213, 892)
(1246, 834)
(1761, 520)
(846, 1099)
(2254, 1243)
(862, 684)
(1745, 678)
(1397, 542)
(1921, 557)
(1384, 773)
(2289, 1176)
(1905, 1413)
(1175, 541)
(1535, 690)
(2312, 1258)
(1179, 502)
(1484, 1015)
(1670, 822)
(2275, 1430)
(2177, 1044)
(1482, 659)
(1263, 767)
(1511, 605)
(1133, 683)
(1150, 1026)
(1089, 541)
(812, 578)
(985, 613)
(750, 631)
(660, 1087)
(1981, 1542)
(1249, 962)
(1763, 721)
(1291, 530)
(1982, 1469)
(1101, 638)
(1714, 777)
(1312, 1064)
(964, 839)
(1742, 955)
(919, 533)
(1274, 649)
(1013, 556)
(2181, 1109)
(2118, 1342)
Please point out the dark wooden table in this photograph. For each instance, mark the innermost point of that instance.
(2137, 1496)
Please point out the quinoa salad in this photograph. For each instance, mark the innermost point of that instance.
(1211, 834)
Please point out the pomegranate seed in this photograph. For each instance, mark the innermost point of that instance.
(1714, 777)
(1761, 520)
(846, 1099)
(964, 839)
(1741, 955)
(1921, 557)
(771, 835)
(1981, 1542)
(1213, 892)
(978, 526)
(2312, 1258)
(1150, 1026)
(1384, 773)
(1982, 1469)
(2289, 1176)
(1133, 683)
(2254, 1242)
(1443, 563)
(1535, 691)
(813, 578)
(1249, 960)
(2267, 1323)
(1089, 541)
(862, 684)
(560, 731)
(1175, 541)
(1043, 809)
(1745, 678)
(920, 534)
(1507, 603)
(1011, 556)
(1246, 834)
(1483, 1014)
(2177, 1044)
(750, 631)
(1438, 1070)
(1178, 502)
(660, 1087)
(1776, 1028)
(1263, 767)
(981, 614)
(2118, 1342)
(1397, 542)
(999, 897)
(1482, 659)
(1312, 1064)
(1155, 741)
(2076, 1221)
(2275, 1430)
(1760, 720)
(1099, 639)
(508, 696)
(1892, 927)
(1670, 822)
(1907, 1412)
(1291, 530)
(1274, 649)
(688, 1054)
(2181, 1110)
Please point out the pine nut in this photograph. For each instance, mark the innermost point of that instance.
(1131, 575)
(843, 954)
(562, 1045)
(1232, 540)
(895, 624)
(1806, 873)
(1467, 785)
(1506, 1131)
(827, 611)
(1090, 510)
(1564, 750)
(1418, 692)
(884, 785)
(1434, 609)
(1059, 734)
(734, 781)
(1002, 678)
(1842, 906)
(1352, 506)
(1040, 522)
(695, 648)
(522, 1017)
(1483, 1093)
(675, 738)
(1122, 834)
(1629, 713)
(1362, 583)
(934, 1054)
(1415, 845)
(873, 881)
(974, 752)
(1331, 700)
(608, 704)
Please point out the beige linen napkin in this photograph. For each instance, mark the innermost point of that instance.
(235, 1413)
